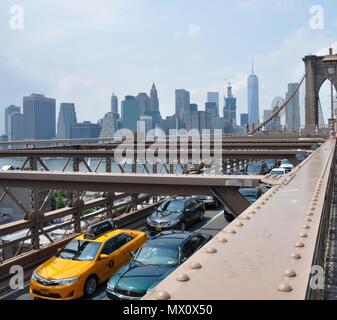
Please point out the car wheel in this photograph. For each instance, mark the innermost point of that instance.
(183, 226)
(202, 214)
(90, 286)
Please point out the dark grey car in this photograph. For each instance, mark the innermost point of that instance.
(176, 214)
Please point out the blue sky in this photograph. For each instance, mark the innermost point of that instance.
(82, 50)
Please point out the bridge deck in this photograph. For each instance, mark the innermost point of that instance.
(270, 255)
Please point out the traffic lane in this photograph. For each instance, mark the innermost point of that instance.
(212, 223)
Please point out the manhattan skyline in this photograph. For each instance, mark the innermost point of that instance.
(105, 47)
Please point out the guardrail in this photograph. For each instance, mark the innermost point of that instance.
(35, 257)
(269, 250)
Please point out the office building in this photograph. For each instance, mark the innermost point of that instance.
(292, 111)
(8, 111)
(154, 107)
(213, 97)
(114, 106)
(196, 120)
(39, 117)
(253, 99)
(84, 130)
(212, 108)
(229, 111)
(109, 126)
(182, 98)
(144, 125)
(67, 118)
(15, 127)
(193, 107)
(243, 119)
(144, 103)
(130, 113)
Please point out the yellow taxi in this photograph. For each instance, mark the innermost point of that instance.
(85, 262)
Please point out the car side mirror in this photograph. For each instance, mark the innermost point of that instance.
(103, 257)
(132, 254)
(59, 250)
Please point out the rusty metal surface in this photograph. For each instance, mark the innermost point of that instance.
(166, 184)
(267, 252)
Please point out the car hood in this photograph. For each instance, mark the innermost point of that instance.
(57, 268)
(163, 216)
(140, 278)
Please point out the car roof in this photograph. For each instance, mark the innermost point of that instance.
(171, 238)
(180, 198)
(103, 237)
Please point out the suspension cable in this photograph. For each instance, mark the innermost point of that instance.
(275, 113)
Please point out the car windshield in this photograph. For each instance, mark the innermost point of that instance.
(248, 192)
(157, 255)
(254, 168)
(278, 172)
(80, 250)
(172, 206)
(286, 162)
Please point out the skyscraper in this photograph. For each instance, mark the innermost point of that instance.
(85, 130)
(8, 111)
(154, 111)
(182, 101)
(114, 106)
(243, 119)
(293, 118)
(229, 111)
(154, 101)
(213, 97)
(15, 127)
(144, 103)
(67, 118)
(130, 113)
(253, 98)
(39, 117)
(212, 108)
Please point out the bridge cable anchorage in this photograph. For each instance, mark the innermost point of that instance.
(284, 105)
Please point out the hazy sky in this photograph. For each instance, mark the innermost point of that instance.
(83, 50)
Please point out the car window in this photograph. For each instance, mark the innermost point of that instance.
(190, 204)
(195, 243)
(187, 251)
(115, 243)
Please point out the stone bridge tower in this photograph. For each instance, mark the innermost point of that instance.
(319, 69)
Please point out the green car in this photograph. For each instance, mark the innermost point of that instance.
(154, 261)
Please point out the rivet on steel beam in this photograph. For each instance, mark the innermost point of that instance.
(162, 295)
(296, 256)
(245, 218)
(183, 277)
(307, 219)
(252, 212)
(231, 232)
(222, 240)
(195, 265)
(284, 287)
(239, 224)
(303, 235)
(306, 227)
(258, 207)
(290, 273)
(211, 250)
(299, 245)
(310, 214)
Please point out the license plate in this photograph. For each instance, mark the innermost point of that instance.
(158, 229)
